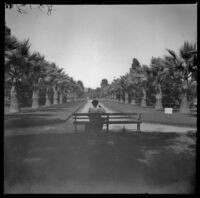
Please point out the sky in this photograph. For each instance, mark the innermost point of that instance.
(92, 42)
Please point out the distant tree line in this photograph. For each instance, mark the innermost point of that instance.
(167, 82)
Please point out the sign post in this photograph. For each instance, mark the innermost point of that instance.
(168, 111)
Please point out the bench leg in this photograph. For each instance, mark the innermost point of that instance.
(138, 127)
(75, 128)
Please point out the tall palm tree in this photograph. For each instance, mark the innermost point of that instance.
(37, 74)
(126, 84)
(104, 84)
(80, 88)
(158, 73)
(16, 66)
(48, 82)
(113, 91)
(143, 84)
(134, 77)
(185, 64)
(117, 89)
(62, 84)
(52, 79)
(72, 89)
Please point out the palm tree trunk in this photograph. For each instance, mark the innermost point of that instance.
(118, 96)
(121, 97)
(14, 102)
(126, 98)
(132, 99)
(111, 96)
(143, 103)
(72, 96)
(115, 97)
(61, 98)
(67, 97)
(159, 99)
(75, 97)
(184, 108)
(35, 98)
(47, 102)
(55, 96)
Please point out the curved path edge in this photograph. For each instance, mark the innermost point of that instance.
(77, 109)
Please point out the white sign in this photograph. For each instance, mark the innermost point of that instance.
(168, 110)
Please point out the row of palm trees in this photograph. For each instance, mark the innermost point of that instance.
(23, 67)
(172, 79)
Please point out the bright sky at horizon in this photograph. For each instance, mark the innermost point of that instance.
(92, 42)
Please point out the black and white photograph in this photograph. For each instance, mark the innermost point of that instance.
(100, 98)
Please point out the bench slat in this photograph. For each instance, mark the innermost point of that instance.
(111, 122)
(110, 118)
(86, 114)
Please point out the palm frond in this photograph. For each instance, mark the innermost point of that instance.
(185, 50)
(172, 53)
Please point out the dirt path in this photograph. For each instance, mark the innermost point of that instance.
(86, 107)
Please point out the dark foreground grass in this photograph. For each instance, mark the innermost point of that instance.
(42, 154)
(100, 163)
(154, 116)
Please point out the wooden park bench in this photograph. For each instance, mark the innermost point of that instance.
(109, 118)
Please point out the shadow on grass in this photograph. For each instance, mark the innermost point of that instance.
(63, 109)
(25, 115)
(192, 114)
(24, 121)
(122, 157)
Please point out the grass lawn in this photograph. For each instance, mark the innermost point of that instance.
(42, 154)
(100, 163)
(41, 120)
(154, 116)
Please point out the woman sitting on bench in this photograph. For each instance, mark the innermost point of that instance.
(96, 121)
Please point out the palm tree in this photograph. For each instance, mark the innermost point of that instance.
(143, 83)
(113, 91)
(62, 84)
(126, 85)
(52, 79)
(48, 82)
(134, 76)
(37, 74)
(134, 83)
(71, 89)
(80, 89)
(158, 73)
(186, 66)
(16, 66)
(117, 89)
(104, 84)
